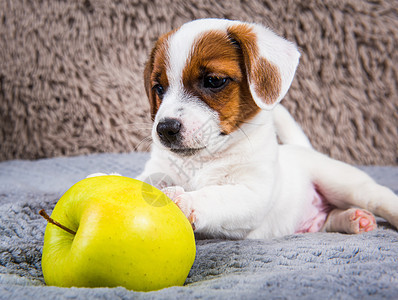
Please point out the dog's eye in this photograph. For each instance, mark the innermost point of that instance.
(214, 82)
(159, 90)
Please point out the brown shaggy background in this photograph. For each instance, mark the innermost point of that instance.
(71, 72)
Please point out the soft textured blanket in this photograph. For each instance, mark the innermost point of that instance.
(315, 265)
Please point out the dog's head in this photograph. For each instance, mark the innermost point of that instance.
(210, 76)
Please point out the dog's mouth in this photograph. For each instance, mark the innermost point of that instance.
(186, 151)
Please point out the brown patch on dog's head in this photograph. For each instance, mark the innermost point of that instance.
(215, 55)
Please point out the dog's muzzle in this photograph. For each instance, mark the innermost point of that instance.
(170, 135)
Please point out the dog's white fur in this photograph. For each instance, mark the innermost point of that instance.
(244, 184)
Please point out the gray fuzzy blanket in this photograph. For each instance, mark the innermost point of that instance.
(317, 265)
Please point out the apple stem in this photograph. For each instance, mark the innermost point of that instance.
(43, 213)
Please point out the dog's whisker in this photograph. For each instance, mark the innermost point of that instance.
(247, 137)
(140, 128)
(252, 123)
(147, 139)
(149, 124)
(132, 125)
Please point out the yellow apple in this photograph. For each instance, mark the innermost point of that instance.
(123, 232)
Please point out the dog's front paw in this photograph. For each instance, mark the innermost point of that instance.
(173, 191)
(183, 200)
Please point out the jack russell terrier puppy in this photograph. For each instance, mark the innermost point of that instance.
(214, 88)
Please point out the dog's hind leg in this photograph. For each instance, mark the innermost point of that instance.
(345, 186)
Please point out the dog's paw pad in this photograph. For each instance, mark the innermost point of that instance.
(362, 221)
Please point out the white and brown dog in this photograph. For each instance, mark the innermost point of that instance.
(214, 87)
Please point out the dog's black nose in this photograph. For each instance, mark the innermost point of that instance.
(168, 131)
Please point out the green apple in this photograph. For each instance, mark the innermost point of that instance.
(123, 232)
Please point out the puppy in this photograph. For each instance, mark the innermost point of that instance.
(214, 88)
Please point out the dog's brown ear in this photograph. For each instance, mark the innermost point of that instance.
(270, 62)
(148, 83)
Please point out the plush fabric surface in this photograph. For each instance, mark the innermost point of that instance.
(71, 72)
(315, 266)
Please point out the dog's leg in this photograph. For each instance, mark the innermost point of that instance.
(218, 211)
(287, 129)
(352, 220)
(345, 186)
